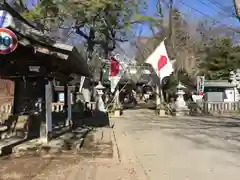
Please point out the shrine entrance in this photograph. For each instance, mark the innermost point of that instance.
(35, 66)
(135, 89)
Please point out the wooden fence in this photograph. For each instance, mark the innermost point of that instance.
(6, 108)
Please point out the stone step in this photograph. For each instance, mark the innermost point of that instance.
(98, 143)
(103, 135)
(6, 145)
(65, 142)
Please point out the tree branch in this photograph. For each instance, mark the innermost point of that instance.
(121, 26)
(81, 33)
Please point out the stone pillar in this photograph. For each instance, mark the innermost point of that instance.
(46, 128)
(100, 104)
(238, 84)
(48, 106)
(69, 103)
(234, 78)
(117, 105)
(15, 99)
(162, 111)
(66, 91)
(158, 100)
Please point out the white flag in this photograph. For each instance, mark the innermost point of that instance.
(160, 61)
(82, 80)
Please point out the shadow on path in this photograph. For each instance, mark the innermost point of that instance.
(211, 132)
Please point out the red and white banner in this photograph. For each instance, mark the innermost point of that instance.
(114, 73)
(160, 61)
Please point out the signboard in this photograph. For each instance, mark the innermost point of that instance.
(200, 84)
(61, 97)
(69, 101)
(105, 74)
(6, 19)
(8, 41)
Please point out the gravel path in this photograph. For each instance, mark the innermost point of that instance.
(183, 148)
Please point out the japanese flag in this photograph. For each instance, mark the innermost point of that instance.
(160, 61)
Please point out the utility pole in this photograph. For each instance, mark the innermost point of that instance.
(171, 31)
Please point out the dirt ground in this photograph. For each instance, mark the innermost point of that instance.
(22, 168)
(66, 166)
(149, 147)
(95, 161)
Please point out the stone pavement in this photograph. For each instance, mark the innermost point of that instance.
(183, 148)
(67, 141)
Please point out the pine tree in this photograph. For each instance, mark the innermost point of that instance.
(221, 56)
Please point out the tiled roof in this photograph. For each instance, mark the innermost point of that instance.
(217, 83)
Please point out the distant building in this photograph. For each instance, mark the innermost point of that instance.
(220, 91)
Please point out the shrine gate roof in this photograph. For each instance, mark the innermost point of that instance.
(43, 50)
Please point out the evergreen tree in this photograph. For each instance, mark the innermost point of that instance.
(221, 56)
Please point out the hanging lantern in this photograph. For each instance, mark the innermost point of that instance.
(146, 71)
(133, 70)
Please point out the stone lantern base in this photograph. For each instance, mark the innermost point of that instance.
(117, 113)
(162, 113)
(181, 108)
(182, 112)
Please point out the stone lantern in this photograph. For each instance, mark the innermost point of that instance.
(181, 107)
(232, 77)
(235, 80)
(237, 77)
(100, 104)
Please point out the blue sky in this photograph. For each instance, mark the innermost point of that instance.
(192, 10)
(220, 10)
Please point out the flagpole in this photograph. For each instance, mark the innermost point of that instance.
(162, 108)
(160, 96)
(158, 100)
(160, 64)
